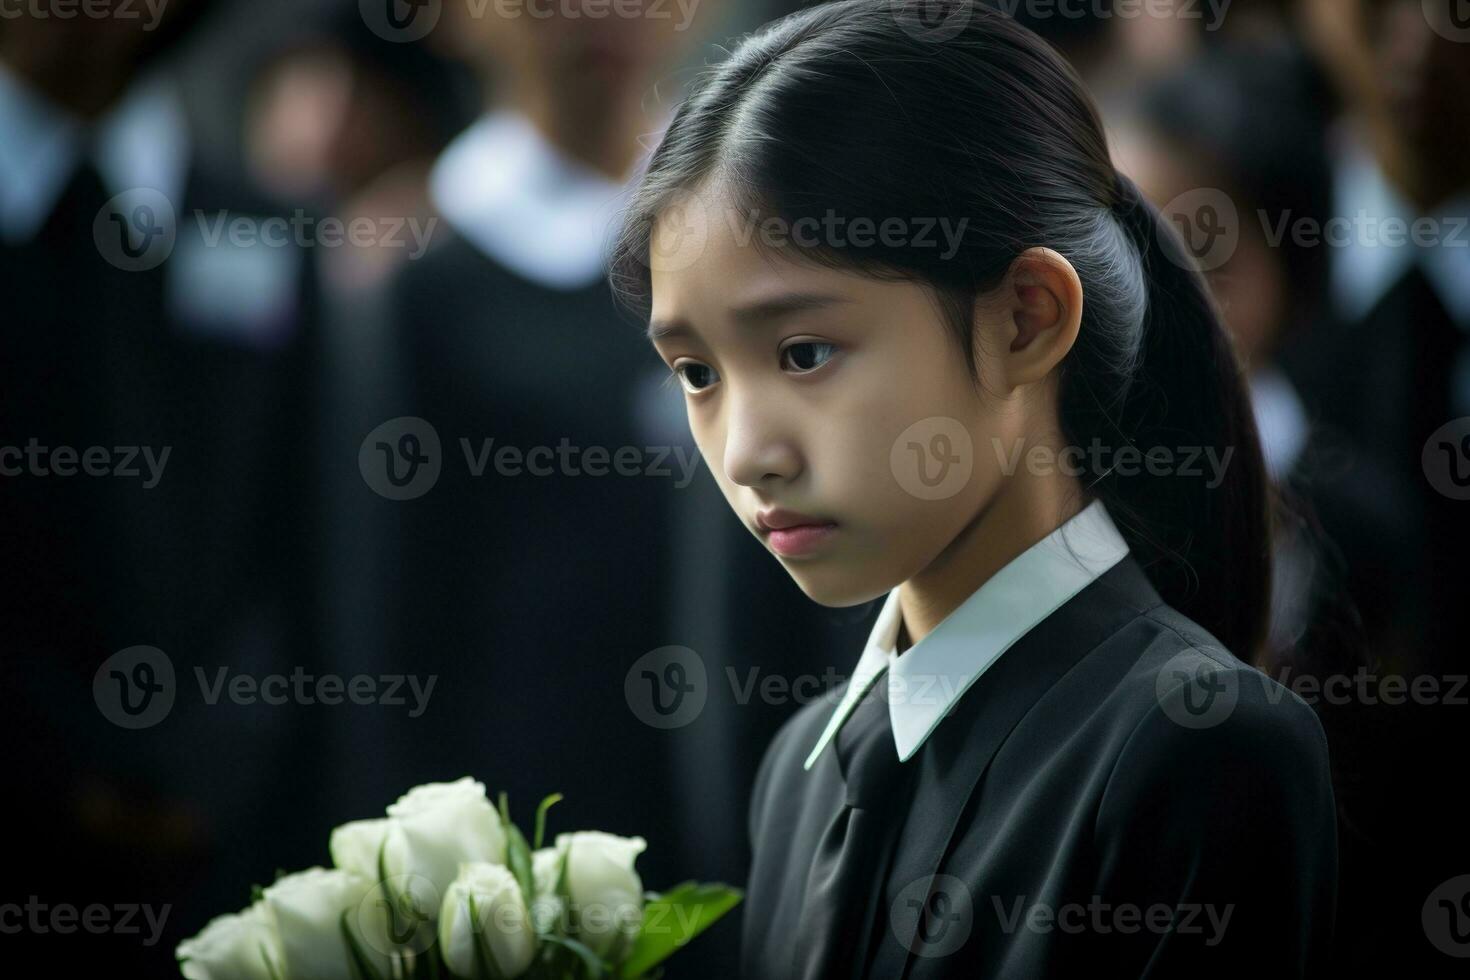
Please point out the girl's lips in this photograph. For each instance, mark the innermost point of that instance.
(800, 539)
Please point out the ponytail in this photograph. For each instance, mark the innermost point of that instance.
(1206, 547)
(841, 109)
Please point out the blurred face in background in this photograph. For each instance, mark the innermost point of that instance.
(577, 53)
(85, 60)
(323, 124)
(1404, 67)
(1252, 284)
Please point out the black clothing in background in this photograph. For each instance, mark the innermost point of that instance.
(1382, 386)
(532, 597)
(206, 566)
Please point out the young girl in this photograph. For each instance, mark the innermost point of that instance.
(936, 348)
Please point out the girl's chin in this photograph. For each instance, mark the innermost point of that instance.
(833, 585)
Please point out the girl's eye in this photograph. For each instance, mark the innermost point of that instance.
(808, 355)
(695, 376)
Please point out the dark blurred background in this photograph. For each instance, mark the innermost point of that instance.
(310, 371)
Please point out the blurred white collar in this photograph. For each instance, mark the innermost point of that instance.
(1281, 420)
(526, 204)
(928, 679)
(1367, 268)
(143, 141)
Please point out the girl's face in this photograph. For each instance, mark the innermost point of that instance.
(826, 399)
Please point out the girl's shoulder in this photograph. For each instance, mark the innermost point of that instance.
(1194, 715)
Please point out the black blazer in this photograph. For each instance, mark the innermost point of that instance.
(1115, 759)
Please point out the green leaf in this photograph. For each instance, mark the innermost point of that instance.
(361, 965)
(485, 966)
(414, 918)
(596, 969)
(546, 804)
(270, 964)
(672, 919)
(517, 854)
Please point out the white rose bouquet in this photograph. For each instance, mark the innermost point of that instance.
(445, 885)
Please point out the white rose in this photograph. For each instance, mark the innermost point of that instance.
(501, 919)
(355, 846)
(241, 946)
(547, 907)
(435, 828)
(606, 893)
(307, 908)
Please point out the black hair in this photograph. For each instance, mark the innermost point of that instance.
(880, 108)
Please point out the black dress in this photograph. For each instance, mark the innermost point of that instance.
(1116, 796)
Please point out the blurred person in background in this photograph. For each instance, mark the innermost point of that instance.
(1395, 374)
(344, 124)
(1399, 368)
(347, 122)
(1207, 150)
(1238, 140)
(152, 399)
(1113, 45)
(534, 588)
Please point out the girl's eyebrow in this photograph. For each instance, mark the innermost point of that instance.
(757, 312)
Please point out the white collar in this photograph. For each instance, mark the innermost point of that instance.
(526, 204)
(1364, 272)
(1281, 420)
(143, 141)
(928, 679)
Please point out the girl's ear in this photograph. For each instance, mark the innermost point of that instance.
(1036, 314)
